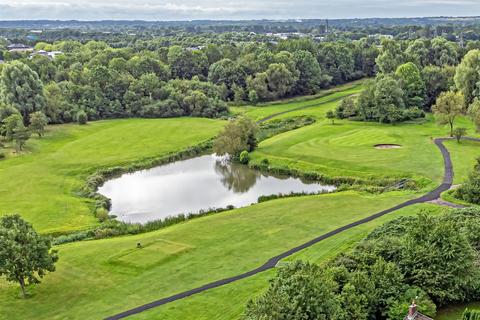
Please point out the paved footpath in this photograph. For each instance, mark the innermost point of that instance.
(431, 196)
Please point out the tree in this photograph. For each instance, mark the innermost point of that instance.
(390, 57)
(458, 133)
(455, 267)
(388, 95)
(279, 80)
(470, 190)
(10, 124)
(20, 136)
(331, 116)
(253, 97)
(467, 77)
(474, 113)
(444, 52)
(21, 87)
(346, 108)
(412, 85)
(25, 256)
(311, 77)
(418, 52)
(237, 136)
(301, 291)
(38, 122)
(82, 117)
(448, 107)
(437, 80)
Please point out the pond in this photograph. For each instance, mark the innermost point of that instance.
(192, 185)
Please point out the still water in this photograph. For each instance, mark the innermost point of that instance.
(192, 185)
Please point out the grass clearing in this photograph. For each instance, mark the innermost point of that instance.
(40, 185)
(347, 149)
(331, 97)
(228, 302)
(88, 285)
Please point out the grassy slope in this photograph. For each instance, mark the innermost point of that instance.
(346, 148)
(99, 278)
(228, 302)
(327, 96)
(464, 155)
(40, 185)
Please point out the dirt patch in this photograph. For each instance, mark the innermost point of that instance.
(387, 146)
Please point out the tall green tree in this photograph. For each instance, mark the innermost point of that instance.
(237, 136)
(38, 122)
(301, 291)
(10, 124)
(25, 256)
(437, 80)
(21, 87)
(311, 77)
(391, 56)
(467, 77)
(448, 107)
(474, 113)
(412, 85)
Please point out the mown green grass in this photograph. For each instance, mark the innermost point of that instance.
(464, 155)
(95, 279)
(331, 96)
(228, 302)
(40, 184)
(347, 149)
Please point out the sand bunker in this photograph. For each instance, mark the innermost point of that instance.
(387, 146)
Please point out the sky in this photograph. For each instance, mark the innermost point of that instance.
(229, 9)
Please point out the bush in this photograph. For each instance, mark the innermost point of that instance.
(244, 157)
(2, 156)
(82, 117)
(471, 315)
(470, 190)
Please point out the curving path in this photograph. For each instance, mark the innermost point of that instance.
(432, 195)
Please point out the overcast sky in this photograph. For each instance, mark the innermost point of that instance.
(229, 9)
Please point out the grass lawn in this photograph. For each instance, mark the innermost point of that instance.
(331, 96)
(100, 278)
(40, 185)
(228, 302)
(347, 149)
(464, 155)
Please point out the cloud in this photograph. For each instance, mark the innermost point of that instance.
(216, 9)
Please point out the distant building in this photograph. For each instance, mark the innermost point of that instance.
(413, 314)
(198, 48)
(49, 54)
(19, 47)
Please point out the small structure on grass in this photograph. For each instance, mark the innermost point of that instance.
(387, 146)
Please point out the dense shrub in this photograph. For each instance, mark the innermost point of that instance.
(470, 190)
(471, 315)
(244, 157)
(82, 117)
(273, 127)
(432, 259)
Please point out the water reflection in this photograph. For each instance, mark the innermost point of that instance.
(192, 185)
(236, 177)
